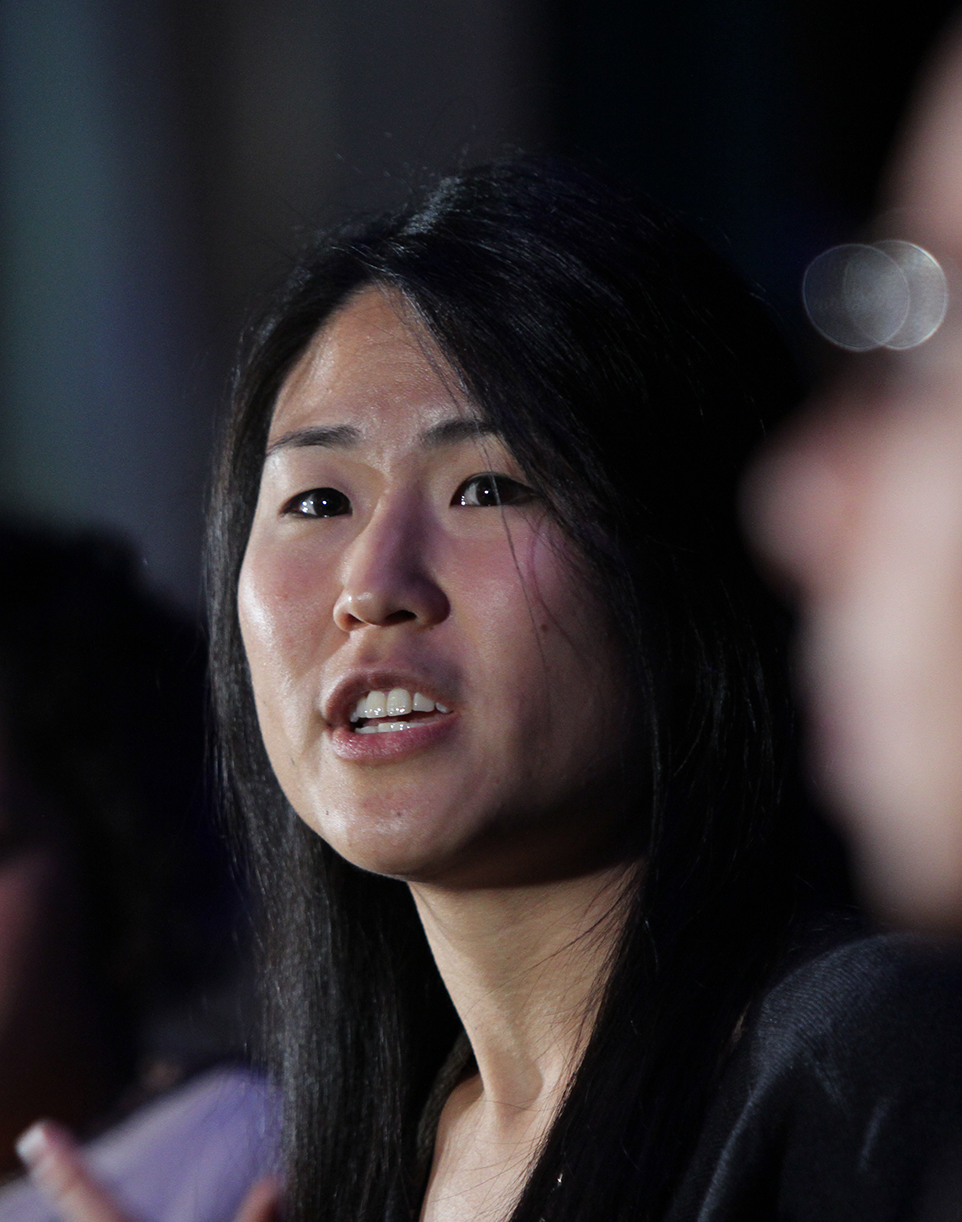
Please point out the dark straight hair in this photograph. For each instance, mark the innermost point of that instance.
(630, 373)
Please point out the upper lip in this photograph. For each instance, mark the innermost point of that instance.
(337, 707)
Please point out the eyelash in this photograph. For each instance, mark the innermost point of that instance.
(501, 490)
(335, 502)
(489, 490)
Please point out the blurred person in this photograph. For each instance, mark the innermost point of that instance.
(116, 905)
(858, 507)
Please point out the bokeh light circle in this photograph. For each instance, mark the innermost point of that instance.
(857, 296)
(928, 293)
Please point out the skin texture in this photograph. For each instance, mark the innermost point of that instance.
(504, 819)
(859, 508)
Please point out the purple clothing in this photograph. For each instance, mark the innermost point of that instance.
(189, 1156)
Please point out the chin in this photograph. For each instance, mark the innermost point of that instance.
(408, 845)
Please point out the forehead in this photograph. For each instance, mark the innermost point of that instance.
(373, 367)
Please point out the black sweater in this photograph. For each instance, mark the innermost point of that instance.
(843, 1100)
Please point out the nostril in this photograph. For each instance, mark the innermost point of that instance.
(386, 608)
(357, 618)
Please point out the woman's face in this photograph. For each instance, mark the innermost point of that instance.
(437, 690)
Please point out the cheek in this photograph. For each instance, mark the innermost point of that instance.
(494, 596)
(562, 610)
(285, 608)
(542, 633)
(583, 699)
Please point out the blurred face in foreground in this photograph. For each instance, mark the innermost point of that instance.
(435, 685)
(860, 506)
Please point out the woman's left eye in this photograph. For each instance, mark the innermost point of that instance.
(491, 489)
(319, 503)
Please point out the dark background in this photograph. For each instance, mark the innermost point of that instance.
(157, 158)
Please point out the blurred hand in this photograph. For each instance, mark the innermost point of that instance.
(59, 1170)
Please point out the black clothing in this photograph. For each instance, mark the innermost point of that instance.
(843, 1099)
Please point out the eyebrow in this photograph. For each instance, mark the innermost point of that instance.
(448, 432)
(333, 435)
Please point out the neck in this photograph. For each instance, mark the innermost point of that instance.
(525, 967)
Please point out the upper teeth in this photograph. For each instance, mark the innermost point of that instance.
(396, 703)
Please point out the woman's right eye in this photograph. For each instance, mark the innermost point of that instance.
(319, 503)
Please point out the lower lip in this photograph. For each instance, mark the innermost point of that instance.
(375, 748)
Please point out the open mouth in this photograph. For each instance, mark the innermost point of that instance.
(394, 711)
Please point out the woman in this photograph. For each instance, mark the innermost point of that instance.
(604, 783)
(502, 706)
(502, 431)
(474, 537)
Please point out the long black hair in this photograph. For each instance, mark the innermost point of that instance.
(630, 372)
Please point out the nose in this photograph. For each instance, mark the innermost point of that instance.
(386, 578)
